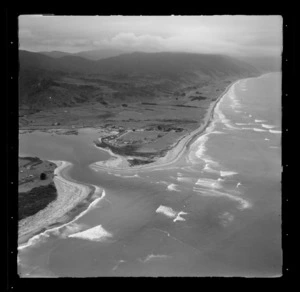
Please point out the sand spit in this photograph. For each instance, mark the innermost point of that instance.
(69, 194)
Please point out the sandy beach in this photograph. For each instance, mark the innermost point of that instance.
(69, 194)
(119, 163)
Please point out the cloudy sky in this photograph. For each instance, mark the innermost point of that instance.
(232, 35)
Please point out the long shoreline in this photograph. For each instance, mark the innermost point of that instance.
(69, 195)
(174, 153)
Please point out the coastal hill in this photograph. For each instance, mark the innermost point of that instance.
(71, 80)
(265, 64)
(139, 62)
(90, 55)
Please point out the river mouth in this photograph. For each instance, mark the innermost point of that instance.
(77, 149)
(218, 204)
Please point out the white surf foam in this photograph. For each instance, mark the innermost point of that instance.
(221, 117)
(247, 129)
(185, 179)
(94, 203)
(259, 130)
(172, 187)
(227, 173)
(201, 148)
(259, 121)
(71, 229)
(178, 217)
(97, 233)
(155, 257)
(207, 168)
(242, 124)
(136, 175)
(268, 126)
(275, 131)
(166, 211)
(208, 163)
(210, 183)
(42, 237)
(244, 204)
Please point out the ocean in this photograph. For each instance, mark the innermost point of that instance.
(216, 211)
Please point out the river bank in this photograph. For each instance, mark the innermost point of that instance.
(72, 198)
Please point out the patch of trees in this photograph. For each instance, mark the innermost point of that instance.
(135, 161)
(198, 97)
(33, 161)
(35, 200)
(43, 176)
(124, 150)
(182, 105)
(168, 128)
(149, 103)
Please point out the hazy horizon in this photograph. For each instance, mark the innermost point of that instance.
(240, 36)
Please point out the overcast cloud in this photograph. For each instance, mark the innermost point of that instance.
(233, 35)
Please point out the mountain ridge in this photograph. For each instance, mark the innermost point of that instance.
(69, 80)
(137, 61)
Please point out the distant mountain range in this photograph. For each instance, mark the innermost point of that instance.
(90, 55)
(139, 63)
(263, 63)
(140, 73)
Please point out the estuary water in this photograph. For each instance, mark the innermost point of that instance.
(214, 212)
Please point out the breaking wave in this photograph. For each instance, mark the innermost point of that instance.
(97, 233)
(244, 204)
(275, 131)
